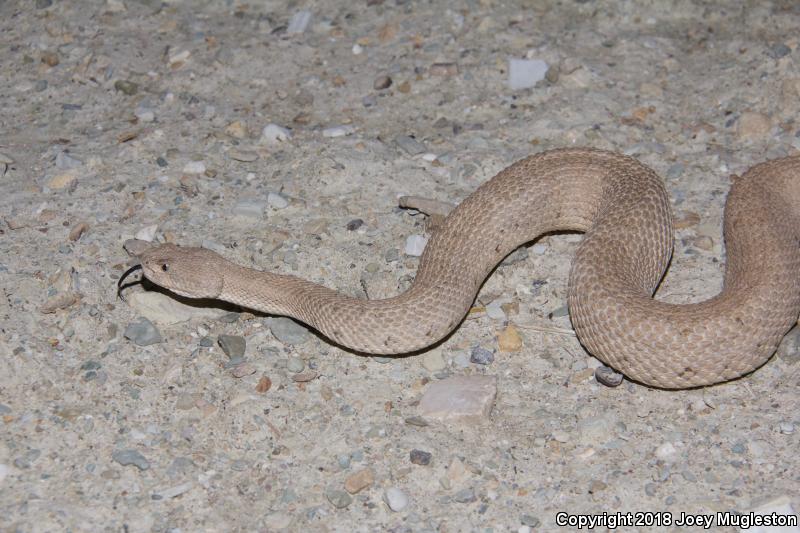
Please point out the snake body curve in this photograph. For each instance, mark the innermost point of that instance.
(623, 208)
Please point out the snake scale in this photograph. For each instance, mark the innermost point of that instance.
(623, 208)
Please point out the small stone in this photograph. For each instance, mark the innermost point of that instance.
(304, 377)
(65, 161)
(666, 452)
(277, 201)
(142, 333)
(287, 330)
(419, 457)
(130, 457)
(687, 219)
(410, 145)
(64, 180)
(495, 310)
(263, 385)
(338, 131)
(789, 348)
(78, 230)
(396, 499)
(61, 300)
(461, 360)
(144, 114)
(381, 83)
(432, 361)
(778, 50)
(299, 22)
(525, 73)
(443, 69)
(459, 397)
(243, 369)
(529, 520)
(360, 480)
(404, 87)
(245, 156)
(415, 245)
(272, 133)
(753, 126)
(166, 311)
(596, 486)
(237, 129)
(126, 87)
(509, 340)
(465, 496)
(147, 233)
(338, 498)
(354, 224)
(481, 356)
(787, 428)
(194, 167)
(295, 364)
(172, 492)
(232, 345)
(607, 376)
(249, 208)
(392, 255)
(178, 58)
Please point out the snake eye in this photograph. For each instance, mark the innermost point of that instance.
(164, 267)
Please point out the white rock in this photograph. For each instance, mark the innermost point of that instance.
(250, 208)
(666, 452)
(787, 428)
(433, 361)
(525, 73)
(495, 311)
(338, 131)
(415, 244)
(277, 201)
(459, 397)
(180, 57)
(162, 310)
(194, 167)
(144, 114)
(357, 49)
(539, 248)
(147, 233)
(781, 505)
(396, 499)
(3, 472)
(272, 133)
(299, 22)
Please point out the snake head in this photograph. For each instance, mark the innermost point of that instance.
(190, 272)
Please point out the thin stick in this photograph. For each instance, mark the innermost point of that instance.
(549, 329)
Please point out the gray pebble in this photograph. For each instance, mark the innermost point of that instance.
(287, 330)
(40, 86)
(249, 208)
(461, 360)
(206, 342)
(25, 461)
(396, 499)
(232, 345)
(295, 364)
(91, 365)
(465, 496)
(561, 311)
(43, 4)
(650, 489)
(161, 162)
(126, 87)
(354, 224)
(382, 82)
(338, 498)
(4, 409)
(277, 201)
(229, 318)
(410, 145)
(142, 333)
(778, 50)
(420, 457)
(607, 376)
(481, 356)
(392, 255)
(789, 348)
(529, 520)
(344, 461)
(369, 100)
(131, 457)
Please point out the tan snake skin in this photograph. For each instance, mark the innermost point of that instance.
(623, 207)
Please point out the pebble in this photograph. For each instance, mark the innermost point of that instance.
(753, 126)
(287, 330)
(778, 50)
(299, 22)
(459, 397)
(666, 452)
(142, 332)
(509, 340)
(130, 457)
(162, 310)
(607, 376)
(396, 499)
(295, 364)
(78, 230)
(263, 385)
(126, 87)
(433, 361)
(338, 498)
(144, 114)
(244, 156)
(410, 145)
(465, 496)
(249, 208)
(63, 180)
(382, 82)
(360, 480)
(787, 428)
(65, 161)
(338, 131)
(495, 311)
(172, 492)
(789, 348)
(243, 369)
(529, 520)
(415, 245)
(3, 473)
(272, 133)
(391, 255)
(194, 167)
(178, 58)
(232, 345)
(481, 356)
(277, 201)
(354, 224)
(420, 457)
(525, 73)
(147, 233)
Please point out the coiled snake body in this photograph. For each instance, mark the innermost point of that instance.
(623, 207)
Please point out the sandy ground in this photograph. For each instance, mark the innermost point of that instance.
(143, 118)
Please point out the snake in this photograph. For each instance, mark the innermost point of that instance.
(623, 209)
